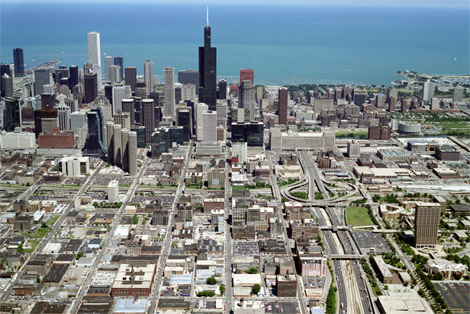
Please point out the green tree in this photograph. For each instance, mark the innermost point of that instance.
(255, 289)
(20, 248)
(222, 289)
(211, 281)
(79, 254)
(135, 219)
(251, 271)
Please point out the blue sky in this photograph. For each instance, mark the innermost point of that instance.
(426, 3)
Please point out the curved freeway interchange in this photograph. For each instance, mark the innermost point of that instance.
(354, 293)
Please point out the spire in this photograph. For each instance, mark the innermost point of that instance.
(207, 23)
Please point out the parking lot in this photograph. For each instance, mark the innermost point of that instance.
(456, 295)
(367, 240)
(282, 307)
(245, 248)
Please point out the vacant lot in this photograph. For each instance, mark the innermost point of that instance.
(358, 216)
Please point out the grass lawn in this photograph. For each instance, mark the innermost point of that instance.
(351, 134)
(302, 195)
(40, 233)
(52, 221)
(358, 216)
(238, 187)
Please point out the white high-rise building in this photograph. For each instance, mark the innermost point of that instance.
(188, 92)
(200, 108)
(148, 75)
(458, 94)
(114, 74)
(94, 48)
(94, 56)
(169, 93)
(113, 191)
(119, 93)
(428, 91)
(64, 116)
(108, 62)
(209, 126)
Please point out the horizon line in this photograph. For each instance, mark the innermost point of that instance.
(360, 3)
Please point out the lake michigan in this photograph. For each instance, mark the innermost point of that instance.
(283, 44)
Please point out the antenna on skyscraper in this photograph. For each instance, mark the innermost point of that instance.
(207, 24)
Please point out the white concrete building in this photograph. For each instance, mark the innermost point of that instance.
(17, 140)
(239, 150)
(209, 126)
(200, 108)
(75, 166)
(169, 93)
(113, 191)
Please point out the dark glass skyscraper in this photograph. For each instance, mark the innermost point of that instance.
(73, 76)
(208, 70)
(95, 142)
(12, 114)
(18, 61)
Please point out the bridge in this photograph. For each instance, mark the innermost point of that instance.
(346, 256)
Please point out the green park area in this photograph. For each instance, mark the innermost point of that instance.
(358, 216)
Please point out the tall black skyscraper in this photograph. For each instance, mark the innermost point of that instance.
(91, 87)
(73, 76)
(18, 61)
(119, 61)
(95, 143)
(4, 69)
(208, 70)
(12, 114)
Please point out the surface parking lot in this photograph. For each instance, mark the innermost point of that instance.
(367, 240)
(456, 295)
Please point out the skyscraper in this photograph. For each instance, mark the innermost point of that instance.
(64, 116)
(12, 113)
(222, 90)
(41, 77)
(148, 119)
(189, 77)
(94, 48)
(458, 94)
(283, 105)
(130, 74)
(114, 74)
(428, 91)
(209, 126)
(4, 69)
(427, 217)
(18, 61)
(208, 70)
(119, 61)
(95, 142)
(246, 98)
(108, 62)
(7, 86)
(91, 87)
(148, 76)
(73, 78)
(247, 75)
(200, 109)
(169, 93)
(94, 56)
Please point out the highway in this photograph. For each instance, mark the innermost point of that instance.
(107, 242)
(166, 247)
(311, 169)
(228, 237)
(55, 228)
(277, 195)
